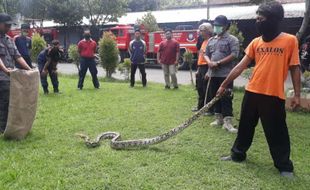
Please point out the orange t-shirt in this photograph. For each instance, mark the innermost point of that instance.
(202, 53)
(273, 60)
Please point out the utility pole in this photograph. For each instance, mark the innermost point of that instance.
(5, 6)
(208, 10)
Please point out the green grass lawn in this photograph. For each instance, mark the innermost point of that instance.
(52, 157)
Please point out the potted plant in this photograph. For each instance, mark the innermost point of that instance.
(304, 94)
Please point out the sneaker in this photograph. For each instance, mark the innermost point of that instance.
(209, 113)
(131, 86)
(80, 88)
(176, 87)
(229, 158)
(97, 88)
(226, 158)
(228, 125)
(218, 120)
(167, 87)
(195, 109)
(289, 175)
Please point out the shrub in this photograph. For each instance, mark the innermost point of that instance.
(188, 58)
(38, 44)
(108, 53)
(124, 68)
(74, 55)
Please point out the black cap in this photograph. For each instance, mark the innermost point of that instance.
(221, 20)
(6, 19)
(25, 26)
(137, 30)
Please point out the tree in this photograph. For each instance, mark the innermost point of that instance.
(143, 5)
(66, 12)
(103, 11)
(108, 53)
(34, 9)
(10, 7)
(168, 4)
(149, 22)
(38, 44)
(233, 30)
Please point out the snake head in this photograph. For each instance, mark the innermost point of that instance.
(91, 144)
(82, 136)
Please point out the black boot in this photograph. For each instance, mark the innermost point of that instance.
(45, 90)
(56, 91)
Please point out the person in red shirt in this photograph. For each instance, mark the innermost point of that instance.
(87, 49)
(168, 56)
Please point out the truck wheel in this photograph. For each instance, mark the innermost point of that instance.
(182, 64)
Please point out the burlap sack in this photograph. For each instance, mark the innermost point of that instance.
(24, 92)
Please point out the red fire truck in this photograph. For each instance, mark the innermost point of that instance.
(49, 34)
(125, 33)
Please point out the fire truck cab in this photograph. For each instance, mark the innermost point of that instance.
(125, 33)
(49, 34)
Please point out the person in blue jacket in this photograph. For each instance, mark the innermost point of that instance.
(137, 51)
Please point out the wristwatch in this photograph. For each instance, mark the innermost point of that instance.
(218, 63)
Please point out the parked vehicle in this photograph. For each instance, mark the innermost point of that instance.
(125, 33)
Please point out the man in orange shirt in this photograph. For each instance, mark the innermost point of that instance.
(275, 53)
(206, 32)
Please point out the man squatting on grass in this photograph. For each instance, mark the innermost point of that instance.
(221, 52)
(47, 63)
(8, 55)
(275, 53)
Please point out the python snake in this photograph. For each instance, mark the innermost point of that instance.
(117, 143)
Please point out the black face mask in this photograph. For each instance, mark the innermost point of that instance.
(268, 29)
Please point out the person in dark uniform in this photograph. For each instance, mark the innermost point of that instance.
(23, 44)
(8, 55)
(221, 52)
(137, 50)
(47, 63)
